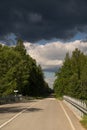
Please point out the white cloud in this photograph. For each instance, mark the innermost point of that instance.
(51, 55)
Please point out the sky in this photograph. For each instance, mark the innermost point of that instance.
(49, 29)
(43, 19)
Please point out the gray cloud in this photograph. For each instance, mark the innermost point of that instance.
(36, 19)
(51, 55)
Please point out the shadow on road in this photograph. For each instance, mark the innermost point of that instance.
(33, 110)
(10, 109)
(15, 107)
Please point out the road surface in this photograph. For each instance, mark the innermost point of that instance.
(46, 114)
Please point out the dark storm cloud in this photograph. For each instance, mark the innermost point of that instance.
(43, 19)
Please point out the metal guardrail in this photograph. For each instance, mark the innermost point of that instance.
(76, 104)
(10, 99)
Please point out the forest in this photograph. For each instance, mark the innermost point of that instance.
(71, 78)
(19, 71)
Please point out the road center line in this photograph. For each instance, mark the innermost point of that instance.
(33, 104)
(73, 128)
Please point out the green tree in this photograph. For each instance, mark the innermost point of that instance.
(20, 71)
(72, 76)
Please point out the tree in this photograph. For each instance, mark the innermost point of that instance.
(71, 77)
(20, 71)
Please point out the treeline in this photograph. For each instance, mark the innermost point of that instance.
(18, 71)
(71, 78)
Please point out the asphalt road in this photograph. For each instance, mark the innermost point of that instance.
(46, 114)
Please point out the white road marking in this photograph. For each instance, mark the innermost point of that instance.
(72, 126)
(17, 115)
(80, 118)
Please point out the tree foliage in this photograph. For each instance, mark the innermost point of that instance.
(19, 71)
(71, 79)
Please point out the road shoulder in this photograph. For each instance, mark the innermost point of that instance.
(75, 121)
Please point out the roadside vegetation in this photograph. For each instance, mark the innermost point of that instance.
(19, 71)
(71, 78)
(84, 121)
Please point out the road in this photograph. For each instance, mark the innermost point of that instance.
(46, 114)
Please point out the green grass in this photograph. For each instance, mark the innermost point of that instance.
(84, 121)
(59, 97)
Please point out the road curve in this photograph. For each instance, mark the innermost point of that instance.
(46, 114)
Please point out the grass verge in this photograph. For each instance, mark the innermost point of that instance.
(84, 121)
(59, 98)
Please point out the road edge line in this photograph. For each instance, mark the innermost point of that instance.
(73, 128)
